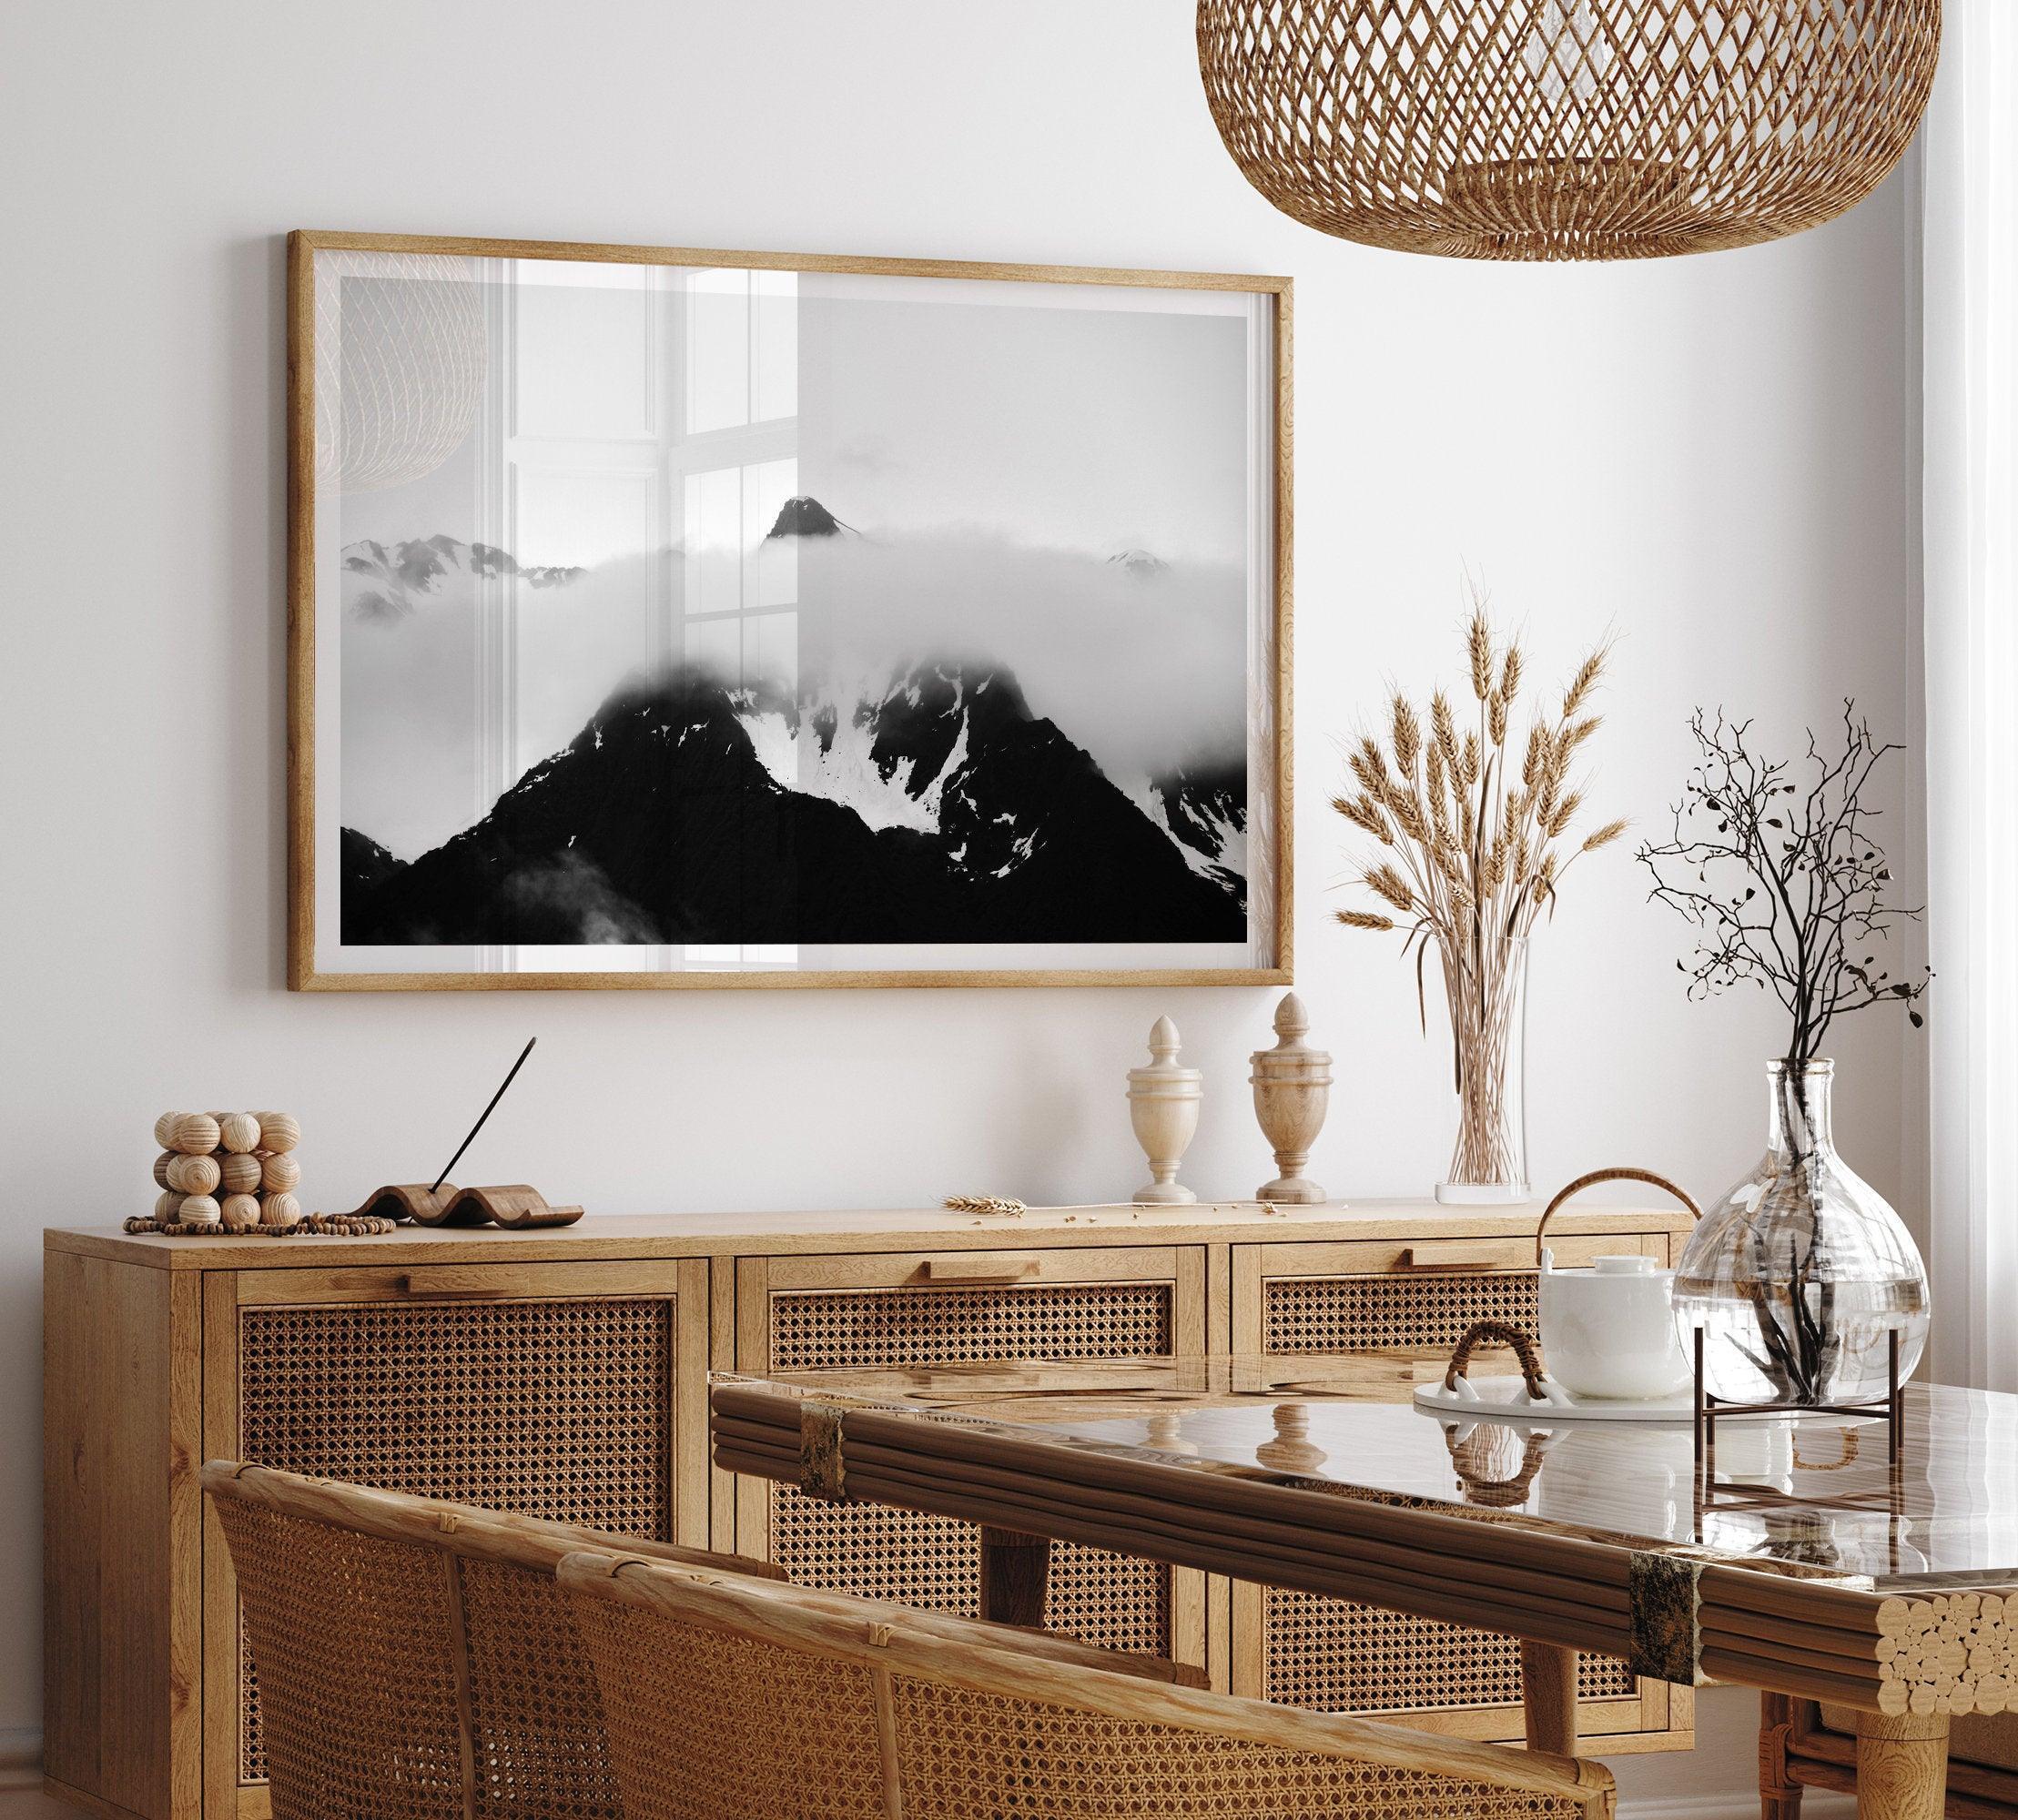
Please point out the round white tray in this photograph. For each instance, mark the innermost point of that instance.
(1506, 1399)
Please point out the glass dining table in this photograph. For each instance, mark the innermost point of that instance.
(1802, 1556)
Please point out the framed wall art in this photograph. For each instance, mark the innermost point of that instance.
(668, 618)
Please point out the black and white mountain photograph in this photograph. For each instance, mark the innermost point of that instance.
(759, 616)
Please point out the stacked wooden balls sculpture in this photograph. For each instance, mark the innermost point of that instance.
(233, 1169)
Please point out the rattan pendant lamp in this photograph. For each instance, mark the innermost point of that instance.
(1567, 129)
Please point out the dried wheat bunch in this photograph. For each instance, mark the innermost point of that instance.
(1475, 830)
(1475, 827)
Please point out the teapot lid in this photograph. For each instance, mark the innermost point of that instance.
(1630, 1264)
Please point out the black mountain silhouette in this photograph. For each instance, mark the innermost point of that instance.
(1205, 808)
(660, 822)
(804, 516)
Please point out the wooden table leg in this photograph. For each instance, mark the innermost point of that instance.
(1901, 1766)
(1779, 1794)
(1549, 1692)
(1015, 1569)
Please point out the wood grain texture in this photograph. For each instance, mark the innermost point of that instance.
(303, 975)
(301, 782)
(121, 1626)
(1901, 1766)
(1548, 1691)
(1366, 1239)
(220, 1439)
(1015, 1571)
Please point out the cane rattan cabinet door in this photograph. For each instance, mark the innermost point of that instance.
(797, 1313)
(1405, 1306)
(572, 1392)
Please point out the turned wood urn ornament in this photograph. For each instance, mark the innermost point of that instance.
(1292, 1089)
(1163, 1106)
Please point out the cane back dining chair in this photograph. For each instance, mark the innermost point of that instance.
(415, 1659)
(727, 1698)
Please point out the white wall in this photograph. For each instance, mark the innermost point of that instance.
(1707, 457)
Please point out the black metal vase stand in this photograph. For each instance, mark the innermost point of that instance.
(1711, 1493)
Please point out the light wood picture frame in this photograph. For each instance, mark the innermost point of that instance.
(668, 617)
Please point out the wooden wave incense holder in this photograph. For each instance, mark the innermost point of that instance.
(512, 1205)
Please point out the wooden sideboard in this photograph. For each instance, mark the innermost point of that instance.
(564, 1373)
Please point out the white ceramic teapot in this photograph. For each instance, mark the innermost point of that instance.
(1610, 1332)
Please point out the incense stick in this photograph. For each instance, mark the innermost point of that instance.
(485, 1113)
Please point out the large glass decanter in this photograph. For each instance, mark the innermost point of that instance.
(1801, 1272)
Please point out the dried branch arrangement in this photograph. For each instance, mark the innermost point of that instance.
(1476, 836)
(1788, 886)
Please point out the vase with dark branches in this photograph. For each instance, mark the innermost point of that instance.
(1801, 1274)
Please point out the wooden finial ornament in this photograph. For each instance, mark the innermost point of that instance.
(1163, 1106)
(1293, 1091)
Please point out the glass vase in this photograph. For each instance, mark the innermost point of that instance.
(1801, 1272)
(1485, 993)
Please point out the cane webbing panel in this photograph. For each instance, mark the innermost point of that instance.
(357, 1637)
(1409, 1311)
(1336, 1656)
(947, 1327)
(711, 1726)
(1340, 1657)
(965, 1754)
(558, 1409)
(879, 1553)
(535, 1710)
(710, 1723)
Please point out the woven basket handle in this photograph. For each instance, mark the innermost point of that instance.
(1591, 1181)
(1525, 1348)
(1496, 1493)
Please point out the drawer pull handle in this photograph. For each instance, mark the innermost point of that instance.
(421, 1289)
(996, 1269)
(1449, 1261)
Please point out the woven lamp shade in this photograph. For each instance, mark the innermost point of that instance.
(1567, 129)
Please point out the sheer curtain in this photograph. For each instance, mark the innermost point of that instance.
(1971, 293)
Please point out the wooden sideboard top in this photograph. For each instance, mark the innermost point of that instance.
(702, 1234)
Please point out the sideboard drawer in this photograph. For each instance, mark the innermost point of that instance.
(1410, 1304)
(925, 1308)
(573, 1391)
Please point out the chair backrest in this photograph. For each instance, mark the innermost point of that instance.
(728, 1696)
(415, 1659)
